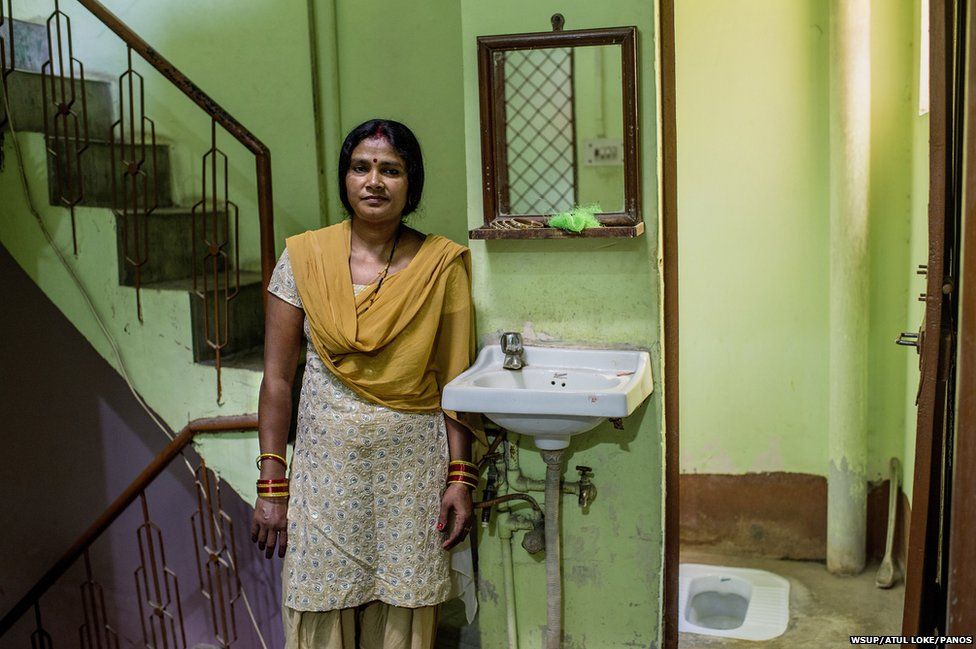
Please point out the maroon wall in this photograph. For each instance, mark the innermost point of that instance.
(73, 438)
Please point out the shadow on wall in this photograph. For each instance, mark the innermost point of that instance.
(76, 438)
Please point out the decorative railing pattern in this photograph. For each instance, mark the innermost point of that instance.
(134, 172)
(96, 632)
(157, 587)
(216, 281)
(40, 639)
(216, 554)
(65, 108)
(134, 154)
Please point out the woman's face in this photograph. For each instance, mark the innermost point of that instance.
(376, 183)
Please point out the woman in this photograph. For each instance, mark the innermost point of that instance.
(381, 480)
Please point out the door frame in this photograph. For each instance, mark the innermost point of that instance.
(961, 613)
(936, 356)
(925, 596)
(669, 252)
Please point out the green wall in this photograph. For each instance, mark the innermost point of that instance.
(586, 291)
(896, 207)
(753, 184)
(400, 61)
(918, 244)
(753, 232)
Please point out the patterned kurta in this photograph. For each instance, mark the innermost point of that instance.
(366, 485)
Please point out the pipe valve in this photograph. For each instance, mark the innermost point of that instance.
(587, 490)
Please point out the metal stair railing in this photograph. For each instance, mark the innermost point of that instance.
(132, 139)
(160, 607)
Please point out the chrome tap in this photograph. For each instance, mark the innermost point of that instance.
(587, 490)
(513, 350)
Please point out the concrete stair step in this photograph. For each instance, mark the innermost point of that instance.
(170, 252)
(27, 104)
(96, 168)
(30, 44)
(246, 330)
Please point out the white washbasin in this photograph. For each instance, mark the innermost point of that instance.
(559, 393)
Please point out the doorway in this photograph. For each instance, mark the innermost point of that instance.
(753, 166)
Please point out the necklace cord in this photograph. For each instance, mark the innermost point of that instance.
(389, 261)
(386, 270)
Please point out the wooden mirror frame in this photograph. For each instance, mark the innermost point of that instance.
(626, 223)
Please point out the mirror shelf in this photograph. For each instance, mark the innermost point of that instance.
(606, 232)
(559, 133)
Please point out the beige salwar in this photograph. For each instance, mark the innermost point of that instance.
(375, 625)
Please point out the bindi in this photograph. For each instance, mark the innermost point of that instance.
(375, 161)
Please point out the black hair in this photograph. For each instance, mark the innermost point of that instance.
(403, 141)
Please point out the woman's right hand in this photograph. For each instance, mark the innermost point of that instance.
(270, 525)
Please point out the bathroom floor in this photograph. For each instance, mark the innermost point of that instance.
(825, 610)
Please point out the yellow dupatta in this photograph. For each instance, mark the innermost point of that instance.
(418, 334)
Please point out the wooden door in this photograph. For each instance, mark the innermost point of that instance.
(961, 595)
(927, 578)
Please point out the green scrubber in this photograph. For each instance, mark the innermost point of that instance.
(577, 219)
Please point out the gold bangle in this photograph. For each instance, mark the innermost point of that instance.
(464, 482)
(270, 456)
(273, 494)
(464, 473)
(464, 462)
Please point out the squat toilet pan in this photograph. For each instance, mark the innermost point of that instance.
(732, 602)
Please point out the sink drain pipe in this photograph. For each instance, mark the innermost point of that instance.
(554, 591)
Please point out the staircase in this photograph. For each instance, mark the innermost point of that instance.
(159, 328)
(146, 272)
(169, 265)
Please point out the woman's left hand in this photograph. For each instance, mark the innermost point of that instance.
(456, 500)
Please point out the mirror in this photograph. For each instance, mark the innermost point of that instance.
(559, 131)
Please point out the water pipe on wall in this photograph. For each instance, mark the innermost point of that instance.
(508, 524)
(520, 482)
(511, 622)
(554, 487)
(554, 589)
(850, 141)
